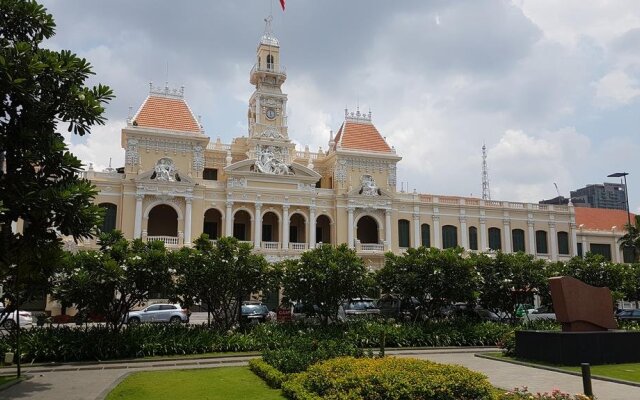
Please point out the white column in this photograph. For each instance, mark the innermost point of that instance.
(257, 230)
(554, 240)
(574, 240)
(137, 230)
(464, 233)
(312, 227)
(483, 234)
(350, 241)
(437, 241)
(258, 109)
(617, 252)
(532, 237)
(387, 229)
(228, 219)
(585, 249)
(417, 240)
(187, 222)
(285, 226)
(506, 236)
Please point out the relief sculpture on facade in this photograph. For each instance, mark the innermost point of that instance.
(165, 170)
(368, 186)
(269, 160)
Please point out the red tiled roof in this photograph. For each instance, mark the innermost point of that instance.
(166, 113)
(601, 219)
(361, 136)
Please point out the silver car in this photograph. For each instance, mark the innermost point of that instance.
(172, 313)
(10, 321)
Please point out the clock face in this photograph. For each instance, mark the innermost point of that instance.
(271, 113)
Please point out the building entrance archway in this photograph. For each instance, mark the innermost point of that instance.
(367, 230)
(213, 223)
(163, 221)
(323, 229)
(242, 225)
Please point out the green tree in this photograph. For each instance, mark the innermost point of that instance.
(595, 270)
(631, 239)
(508, 279)
(434, 277)
(324, 277)
(114, 279)
(40, 180)
(220, 276)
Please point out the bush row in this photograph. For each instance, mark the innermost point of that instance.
(387, 378)
(64, 344)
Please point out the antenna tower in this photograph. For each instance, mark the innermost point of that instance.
(486, 192)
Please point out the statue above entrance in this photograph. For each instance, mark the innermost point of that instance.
(270, 160)
(165, 170)
(368, 186)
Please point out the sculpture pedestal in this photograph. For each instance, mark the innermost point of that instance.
(573, 348)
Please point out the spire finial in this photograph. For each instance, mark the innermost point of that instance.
(267, 26)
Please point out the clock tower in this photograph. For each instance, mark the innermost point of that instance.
(267, 112)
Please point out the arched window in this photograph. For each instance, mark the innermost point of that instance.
(109, 221)
(495, 242)
(403, 233)
(449, 236)
(517, 238)
(426, 235)
(473, 238)
(563, 243)
(270, 61)
(541, 242)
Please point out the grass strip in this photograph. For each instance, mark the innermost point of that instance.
(212, 384)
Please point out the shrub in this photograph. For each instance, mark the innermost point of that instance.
(303, 352)
(522, 394)
(508, 344)
(387, 378)
(269, 374)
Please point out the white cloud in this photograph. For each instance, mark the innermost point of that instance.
(616, 89)
(96, 148)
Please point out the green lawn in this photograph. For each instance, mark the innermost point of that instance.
(6, 379)
(627, 372)
(207, 384)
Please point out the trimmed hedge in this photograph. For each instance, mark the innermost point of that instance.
(303, 352)
(82, 343)
(387, 378)
(269, 374)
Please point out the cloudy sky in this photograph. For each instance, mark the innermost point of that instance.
(552, 88)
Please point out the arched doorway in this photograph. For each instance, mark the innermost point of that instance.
(213, 223)
(163, 221)
(297, 229)
(367, 230)
(270, 231)
(242, 225)
(323, 229)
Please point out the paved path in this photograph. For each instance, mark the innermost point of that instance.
(507, 376)
(93, 381)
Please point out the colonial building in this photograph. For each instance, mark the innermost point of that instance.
(177, 184)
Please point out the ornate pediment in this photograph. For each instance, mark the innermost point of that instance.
(163, 173)
(247, 169)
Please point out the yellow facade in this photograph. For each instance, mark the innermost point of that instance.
(177, 184)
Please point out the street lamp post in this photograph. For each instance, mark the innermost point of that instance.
(626, 192)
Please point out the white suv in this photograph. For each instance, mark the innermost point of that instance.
(159, 313)
(10, 320)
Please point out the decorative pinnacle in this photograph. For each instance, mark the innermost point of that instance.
(357, 116)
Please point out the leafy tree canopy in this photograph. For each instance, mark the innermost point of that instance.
(40, 180)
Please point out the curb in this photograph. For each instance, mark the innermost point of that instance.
(562, 371)
(7, 385)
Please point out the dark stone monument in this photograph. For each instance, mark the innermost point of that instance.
(586, 315)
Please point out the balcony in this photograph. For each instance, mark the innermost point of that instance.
(298, 246)
(271, 245)
(167, 240)
(260, 71)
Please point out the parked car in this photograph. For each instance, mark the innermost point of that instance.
(360, 307)
(172, 313)
(628, 315)
(544, 312)
(470, 312)
(307, 313)
(10, 322)
(253, 312)
(392, 306)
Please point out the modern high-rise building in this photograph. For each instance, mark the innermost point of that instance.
(601, 195)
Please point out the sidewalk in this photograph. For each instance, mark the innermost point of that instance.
(94, 381)
(508, 376)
